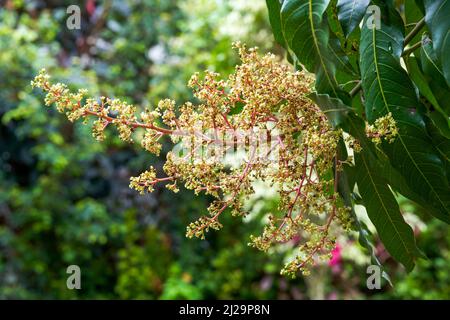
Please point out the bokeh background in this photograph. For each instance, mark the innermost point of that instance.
(64, 198)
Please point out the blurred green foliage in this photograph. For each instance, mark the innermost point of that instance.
(64, 199)
(431, 280)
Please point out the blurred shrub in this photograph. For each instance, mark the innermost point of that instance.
(431, 278)
(65, 199)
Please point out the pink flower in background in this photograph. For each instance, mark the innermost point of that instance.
(90, 7)
(336, 259)
(333, 296)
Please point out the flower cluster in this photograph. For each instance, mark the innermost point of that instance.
(383, 127)
(261, 95)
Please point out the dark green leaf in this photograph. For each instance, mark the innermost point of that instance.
(441, 142)
(336, 111)
(348, 44)
(307, 33)
(274, 8)
(342, 116)
(374, 165)
(440, 118)
(437, 17)
(383, 211)
(350, 13)
(421, 83)
(434, 75)
(441, 123)
(388, 89)
(345, 190)
(413, 14)
(378, 199)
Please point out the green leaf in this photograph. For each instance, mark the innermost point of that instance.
(413, 14)
(336, 111)
(383, 210)
(398, 183)
(437, 17)
(419, 4)
(441, 119)
(388, 89)
(345, 58)
(274, 8)
(378, 199)
(434, 75)
(364, 234)
(350, 14)
(441, 142)
(373, 174)
(342, 116)
(421, 83)
(441, 123)
(307, 33)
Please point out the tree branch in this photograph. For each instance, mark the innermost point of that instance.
(413, 32)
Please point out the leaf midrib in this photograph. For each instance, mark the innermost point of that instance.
(313, 31)
(384, 207)
(374, 47)
(432, 62)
